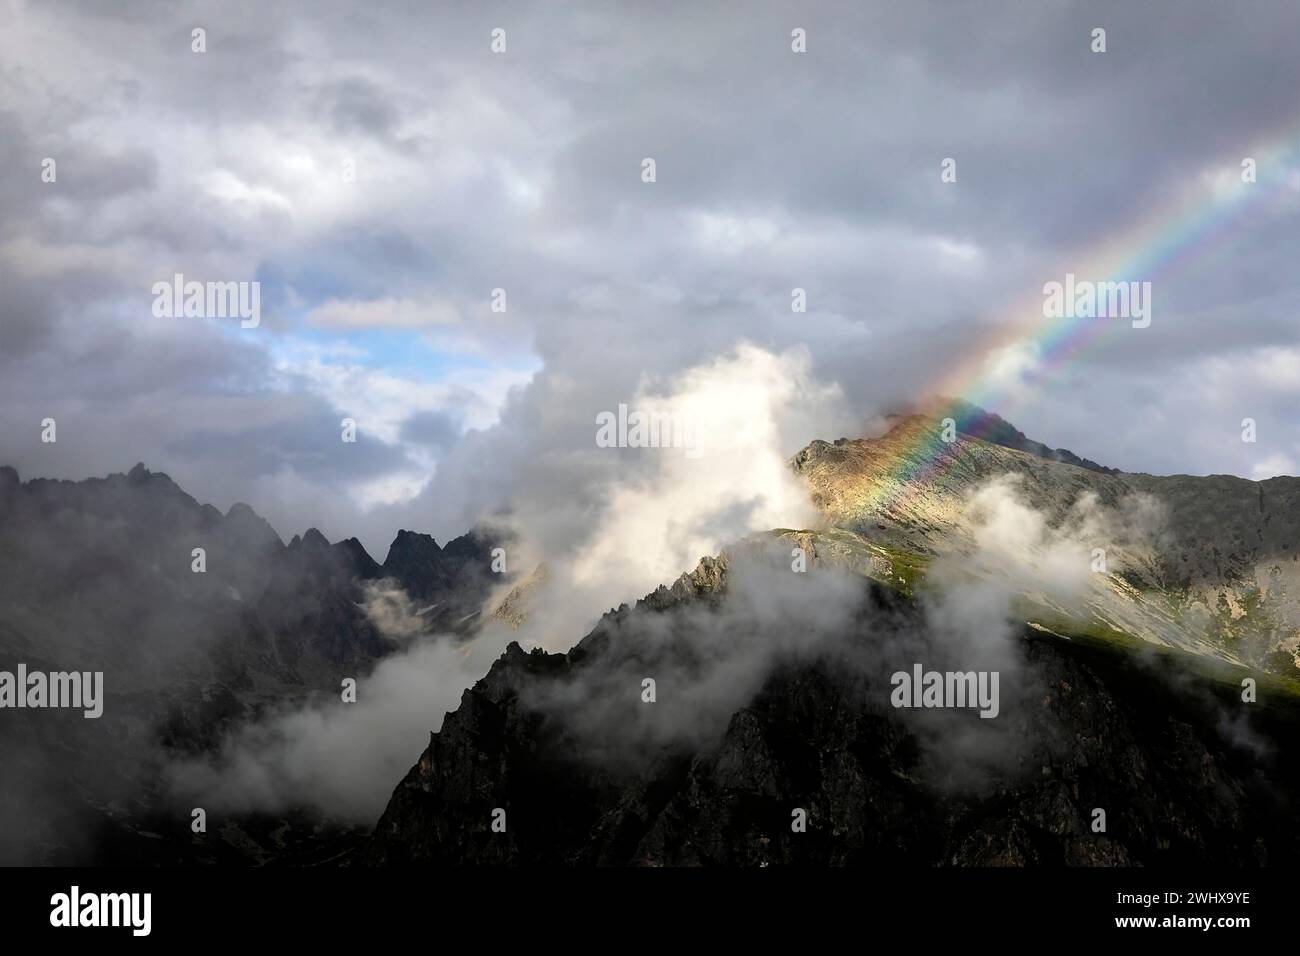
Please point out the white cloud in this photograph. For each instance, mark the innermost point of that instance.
(613, 523)
(1273, 466)
(1007, 369)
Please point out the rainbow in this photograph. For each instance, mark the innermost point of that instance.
(1202, 215)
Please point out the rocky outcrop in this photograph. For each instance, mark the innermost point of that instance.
(1207, 563)
(454, 580)
(1183, 771)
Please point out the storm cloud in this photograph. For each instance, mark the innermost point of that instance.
(381, 176)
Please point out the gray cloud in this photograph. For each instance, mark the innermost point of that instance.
(521, 171)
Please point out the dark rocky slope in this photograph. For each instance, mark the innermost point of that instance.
(1186, 772)
(97, 576)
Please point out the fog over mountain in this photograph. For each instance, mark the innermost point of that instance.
(225, 689)
(101, 575)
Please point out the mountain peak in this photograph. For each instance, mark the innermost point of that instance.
(359, 558)
(245, 521)
(975, 422)
(140, 477)
(410, 547)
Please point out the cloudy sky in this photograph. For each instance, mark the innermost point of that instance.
(522, 170)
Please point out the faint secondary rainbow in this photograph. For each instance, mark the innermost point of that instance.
(1204, 214)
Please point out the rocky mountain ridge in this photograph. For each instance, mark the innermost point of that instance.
(99, 575)
(1215, 570)
(1084, 729)
(770, 690)
(1129, 704)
